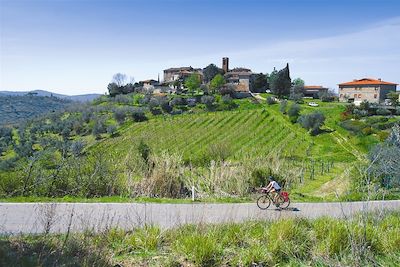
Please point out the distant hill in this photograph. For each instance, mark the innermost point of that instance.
(78, 98)
(17, 108)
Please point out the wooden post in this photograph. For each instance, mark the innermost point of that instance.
(193, 192)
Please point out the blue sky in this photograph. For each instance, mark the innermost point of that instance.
(74, 47)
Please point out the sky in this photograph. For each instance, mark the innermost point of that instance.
(75, 46)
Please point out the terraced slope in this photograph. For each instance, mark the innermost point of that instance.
(249, 134)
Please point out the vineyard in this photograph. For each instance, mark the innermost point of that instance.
(255, 138)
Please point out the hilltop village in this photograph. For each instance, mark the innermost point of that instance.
(243, 82)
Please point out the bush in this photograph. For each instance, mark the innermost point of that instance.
(208, 101)
(271, 100)
(165, 106)
(294, 112)
(77, 148)
(120, 115)
(397, 112)
(312, 122)
(383, 112)
(138, 115)
(177, 101)
(111, 130)
(326, 96)
(283, 106)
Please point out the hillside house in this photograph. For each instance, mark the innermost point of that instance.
(371, 90)
(149, 84)
(314, 90)
(242, 79)
(179, 74)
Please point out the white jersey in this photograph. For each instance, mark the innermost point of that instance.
(275, 185)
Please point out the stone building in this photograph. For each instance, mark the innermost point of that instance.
(372, 90)
(179, 74)
(149, 84)
(241, 78)
(314, 90)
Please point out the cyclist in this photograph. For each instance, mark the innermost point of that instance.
(273, 186)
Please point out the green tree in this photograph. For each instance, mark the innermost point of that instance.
(210, 72)
(394, 98)
(272, 79)
(298, 82)
(192, 83)
(260, 82)
(294, 112)
(281, 86)
(312, 122)
(217, 82)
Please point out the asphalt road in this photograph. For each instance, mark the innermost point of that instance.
(62, 217)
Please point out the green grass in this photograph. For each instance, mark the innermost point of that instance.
(364, 240)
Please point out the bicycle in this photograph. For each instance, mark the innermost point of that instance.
(281, 201)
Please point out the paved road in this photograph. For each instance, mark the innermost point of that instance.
(59, 217)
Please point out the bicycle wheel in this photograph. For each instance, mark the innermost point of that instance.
(279, 201)
(285, 203)
(263, 202)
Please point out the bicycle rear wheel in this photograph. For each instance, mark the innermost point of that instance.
(286, 203)
(263, 202)
(280, 201)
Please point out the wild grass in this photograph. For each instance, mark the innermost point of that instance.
(364, 240)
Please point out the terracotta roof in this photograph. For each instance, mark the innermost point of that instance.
(314, 87)
(367, 81)
(179, 69)
(148, 81)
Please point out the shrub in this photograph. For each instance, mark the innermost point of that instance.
(77, 148)
(326, 96)
(364, 105)
(165, 106)
(294, 112)
(383, 111)
(312, 122)
(397, 112)
(138, 115)
(111, 129)
(177, 101)
(271, 100)
(354, 126)
(283, 106)
(228, 103)
(99, 127)
(120, 115)
(208, 101)
(144, 150)
(297, 97)
(259, 177)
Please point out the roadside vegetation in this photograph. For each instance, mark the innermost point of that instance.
(365, 240)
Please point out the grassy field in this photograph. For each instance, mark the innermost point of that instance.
(365, 240)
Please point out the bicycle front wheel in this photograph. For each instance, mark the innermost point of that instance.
(263, 202)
